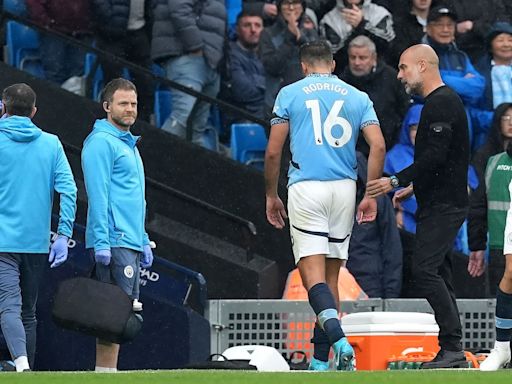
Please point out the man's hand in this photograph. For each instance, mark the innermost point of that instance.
(270, 9)
(353, 16)
(103, 256)
(476, 263)
(367, 210)
(401, 195)
(276, 212)
(58, 251)
(464, 26)
(378, 187)
(147, 257)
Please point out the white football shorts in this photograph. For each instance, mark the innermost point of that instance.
(321, 217)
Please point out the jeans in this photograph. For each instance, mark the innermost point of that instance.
(436, 229)
(194, 72)
(60, 59)
(20, 274)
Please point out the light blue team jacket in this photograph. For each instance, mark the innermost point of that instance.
(114, 180)
(32, 166)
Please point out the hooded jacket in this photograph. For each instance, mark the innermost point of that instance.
(33, 165)
(454, 66)
(377, 23)
(400, 157)
(114, 180)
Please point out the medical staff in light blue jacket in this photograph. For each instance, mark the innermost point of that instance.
(114, 180)
(32, 166)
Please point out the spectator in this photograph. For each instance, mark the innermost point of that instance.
(378, 80)
(266, 9)
(33, 167)
(351, 18)
(124, 29)
(410, 27)
(114, 180)
(456, 69)
(474, 22)
(279, 48)
(496, 66)
(375, 253)
(486, 222)
(188, 40)
(244, 79)
(60, 59)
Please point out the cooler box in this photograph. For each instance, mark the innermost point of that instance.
(378, 336)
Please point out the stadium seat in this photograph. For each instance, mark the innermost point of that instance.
(97, 77)
(22, 42)
(16, 7)
(33, 66)
(162, 106)
(233, 8)
(248, 144)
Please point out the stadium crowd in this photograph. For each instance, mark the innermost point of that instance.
(245, 52)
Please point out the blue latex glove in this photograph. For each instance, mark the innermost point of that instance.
(103, 256)
(58, 251)
(147, 257)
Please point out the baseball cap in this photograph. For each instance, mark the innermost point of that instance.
(440, 11)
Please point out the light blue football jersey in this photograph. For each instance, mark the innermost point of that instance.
(325, 116)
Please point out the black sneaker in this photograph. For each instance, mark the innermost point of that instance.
(447, 359)
(7, 366)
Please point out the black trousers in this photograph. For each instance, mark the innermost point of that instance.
(436, 229)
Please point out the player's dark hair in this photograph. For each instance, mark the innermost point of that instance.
(107, 94)
(19, 99)
(316, 51)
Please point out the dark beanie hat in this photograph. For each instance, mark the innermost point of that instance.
(496, 29)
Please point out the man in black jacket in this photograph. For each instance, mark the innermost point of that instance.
(439, 174)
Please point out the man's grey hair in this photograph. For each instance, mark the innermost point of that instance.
(362, 41)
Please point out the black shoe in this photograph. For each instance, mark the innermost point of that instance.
(27, 370)
(447, 359)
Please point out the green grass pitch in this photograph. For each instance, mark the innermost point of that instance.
(241, 377)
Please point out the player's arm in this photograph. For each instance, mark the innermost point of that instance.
(275, 210)
(367, 209)
(373, 136)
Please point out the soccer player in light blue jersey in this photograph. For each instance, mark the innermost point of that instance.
(324, 117)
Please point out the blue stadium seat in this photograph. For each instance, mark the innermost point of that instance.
(16, 7)
(97, 78)
(33, 66)
(22, 42)
(233, 8)
(248, 144)
(162, 106)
